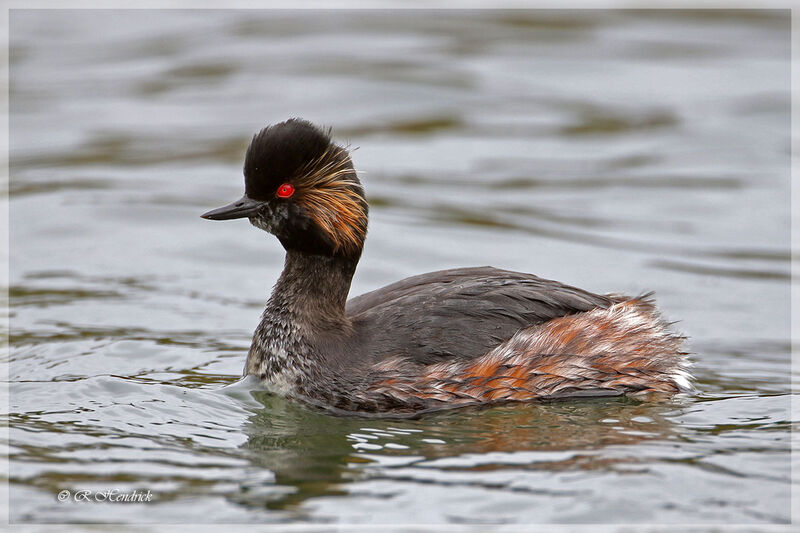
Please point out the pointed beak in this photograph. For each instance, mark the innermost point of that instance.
(243, 207)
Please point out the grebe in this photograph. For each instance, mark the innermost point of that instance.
(444, 339)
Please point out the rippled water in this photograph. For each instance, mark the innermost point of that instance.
(617, 151)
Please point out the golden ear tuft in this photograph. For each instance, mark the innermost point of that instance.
(334, 199)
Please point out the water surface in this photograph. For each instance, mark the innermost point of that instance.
(616, 151)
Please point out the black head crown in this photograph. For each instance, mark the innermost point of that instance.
(301, 186)
(279, 152)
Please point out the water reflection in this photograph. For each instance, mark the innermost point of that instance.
(319, 455)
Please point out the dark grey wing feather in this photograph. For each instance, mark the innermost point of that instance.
(460, 313)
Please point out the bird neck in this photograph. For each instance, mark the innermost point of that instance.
(313, 288)
(307, 303)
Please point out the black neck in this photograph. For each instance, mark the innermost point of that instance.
(313, 289)
(307, 303)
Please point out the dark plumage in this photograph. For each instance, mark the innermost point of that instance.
(448, 338)
(277, 152)
(492, 305)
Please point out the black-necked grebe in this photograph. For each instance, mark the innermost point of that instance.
(443, 339)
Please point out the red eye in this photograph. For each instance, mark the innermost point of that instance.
(285, 190)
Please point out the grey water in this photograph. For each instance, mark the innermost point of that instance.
(619, 151)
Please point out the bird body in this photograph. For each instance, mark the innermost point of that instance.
(443, 339)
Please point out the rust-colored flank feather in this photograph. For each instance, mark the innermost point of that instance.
(623, 349)
(334, 199)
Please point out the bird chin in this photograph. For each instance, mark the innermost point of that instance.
(271, 219)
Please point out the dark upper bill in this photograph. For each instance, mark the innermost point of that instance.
(243, 207)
